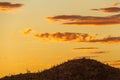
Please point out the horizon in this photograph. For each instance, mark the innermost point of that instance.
(36, 35)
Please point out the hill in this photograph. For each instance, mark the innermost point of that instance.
(78, 69)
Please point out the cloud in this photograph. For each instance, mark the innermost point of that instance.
(85, 57)
(107, 40)
(86, 20)
(27, 31)
(99, 52)
(7, 6)
(66, 36)
(114, 63)
(73, 36)
(108, 10)
(85, 48)
(78, 37)
(115, 4)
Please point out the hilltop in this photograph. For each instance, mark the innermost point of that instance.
(77, 69)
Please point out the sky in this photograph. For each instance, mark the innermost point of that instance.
(37, 34)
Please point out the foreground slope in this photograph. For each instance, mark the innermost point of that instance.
(78, 69)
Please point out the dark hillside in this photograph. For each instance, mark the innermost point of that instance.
(78, 69)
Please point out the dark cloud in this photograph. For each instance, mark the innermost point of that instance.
(66, 36)
(108, 10)
(85, 57)
(86, 20)
(99, 52)
(85, 48)
(107, 40)
(6, 6)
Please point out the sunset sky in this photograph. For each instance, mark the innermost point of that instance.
(37, 34)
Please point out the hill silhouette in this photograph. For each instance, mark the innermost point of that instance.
(77, 69)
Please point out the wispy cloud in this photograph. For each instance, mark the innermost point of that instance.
(27, 31)
(66, 36)
(115, 63)
(108, 10)
(7, 6)
(115, 4)
(85, 57)
(85, 48)
(107, 40)
(99, 52)
(86, 20)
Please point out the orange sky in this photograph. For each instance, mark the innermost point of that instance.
(37, 34)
